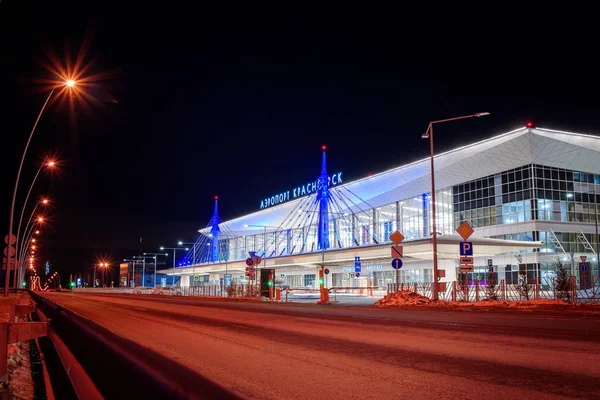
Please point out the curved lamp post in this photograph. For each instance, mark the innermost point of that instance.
(69, 83)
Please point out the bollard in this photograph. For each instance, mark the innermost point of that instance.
(3, 351)
(278, 294)
(453, 290)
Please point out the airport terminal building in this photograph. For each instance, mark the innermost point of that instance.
(531, 195)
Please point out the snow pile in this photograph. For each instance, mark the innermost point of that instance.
(402, 298)
(20, 384)
(408, 298)
(533, 303)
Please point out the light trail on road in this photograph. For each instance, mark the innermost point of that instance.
(284, 351)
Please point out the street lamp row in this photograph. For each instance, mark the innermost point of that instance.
(69, 83)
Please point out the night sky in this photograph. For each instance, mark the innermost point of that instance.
(236, 102)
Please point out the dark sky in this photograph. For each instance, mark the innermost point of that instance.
(238, 101)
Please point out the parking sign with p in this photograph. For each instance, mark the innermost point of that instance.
(466, 248)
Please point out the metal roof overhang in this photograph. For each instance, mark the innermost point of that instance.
(414, 250)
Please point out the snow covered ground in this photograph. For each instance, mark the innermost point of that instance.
(407, 298)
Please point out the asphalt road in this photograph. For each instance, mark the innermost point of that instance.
(302, 351)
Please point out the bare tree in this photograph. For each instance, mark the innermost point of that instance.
(562, 282)
(523, 288)
(490, 290)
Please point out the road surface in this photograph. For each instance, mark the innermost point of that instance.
(301, 351)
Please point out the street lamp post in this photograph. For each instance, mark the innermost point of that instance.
(143, 268)
(20, 244)
(180, 243)
(133, 264)
(174, 255)
(429, 135)
(597, 237)
(101, 265)
(155, 256)
(48, 164)
(69, 83)
(29, 235)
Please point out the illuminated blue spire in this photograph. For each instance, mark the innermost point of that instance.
(323, 200)
(214, 234)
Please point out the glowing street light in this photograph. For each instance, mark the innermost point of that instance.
(429, 135)
(70, 83)
(46, 164)
(27, 237)
(14, 195)
(101, 265)
(174, 252)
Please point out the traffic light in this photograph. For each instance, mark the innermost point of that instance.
(23, 284)
(72, 284)
(321, 279)
(270, 285)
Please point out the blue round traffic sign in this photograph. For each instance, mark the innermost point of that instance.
(584, 267)
(326, 271)
(358, 274)
(396, 263)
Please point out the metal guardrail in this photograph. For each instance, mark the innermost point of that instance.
(574, 291)
(14, 332)
(120, 368)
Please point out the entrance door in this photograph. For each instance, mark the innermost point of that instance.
(264, 280)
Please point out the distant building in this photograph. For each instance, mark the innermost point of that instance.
(536, 191)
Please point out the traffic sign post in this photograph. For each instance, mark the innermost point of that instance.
(397, 253)
(466, 261)
(357, 264)
(585, 276)
(397, 238)
(466, 254)
(466, 248)
(397, 264)
(465, 230)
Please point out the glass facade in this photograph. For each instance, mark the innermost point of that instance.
(528, 193)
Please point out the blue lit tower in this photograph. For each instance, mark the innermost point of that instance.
(323, 201)
(215, 231)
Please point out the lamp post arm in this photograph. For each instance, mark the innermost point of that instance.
(457, 118)
(25, 206)
(14, 195)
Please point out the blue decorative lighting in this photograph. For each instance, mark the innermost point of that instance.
(214, 233)
(323, 201)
